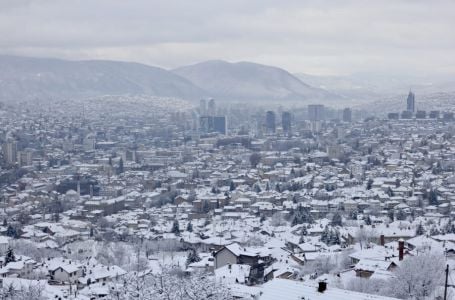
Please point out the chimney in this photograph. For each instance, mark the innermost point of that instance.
(400, 249)
(322, 286)
(382, 240)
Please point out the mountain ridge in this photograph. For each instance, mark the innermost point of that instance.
(23, 78)
(27, 77)
(248, 80)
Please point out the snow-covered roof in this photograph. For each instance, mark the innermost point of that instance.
(284, 289)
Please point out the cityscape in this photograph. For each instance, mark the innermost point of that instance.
(219, 179)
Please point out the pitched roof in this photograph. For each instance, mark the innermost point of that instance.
(284, 289)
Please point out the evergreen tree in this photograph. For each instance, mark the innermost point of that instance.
(420, 230)
(192, 257)
(389, 192)
(353, 215)
(11, 232)
(433, 197)
(232, 186)
(434, 231)
(255, 158)
(401, 216)
(205, 207)
(369, 184)
(9, 257)
(189, 227)
(391, 216)
(334, 237)
(304, 231)
(56, 217)
(302, 215)
(277, 187)
(325, 236)
(337, 220)
(5, 223)
(175, 228)
(368, 220)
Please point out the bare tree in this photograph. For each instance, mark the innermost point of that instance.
(172, 284)
(418, 276)
(369, 286)
(364, 236)
(32, 291)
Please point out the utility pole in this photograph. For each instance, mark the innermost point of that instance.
(446, 284)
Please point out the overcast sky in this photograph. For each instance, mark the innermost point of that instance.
(316, 37)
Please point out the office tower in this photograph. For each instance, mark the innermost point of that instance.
(270, 121)
(411, 104)
(406, 114)
(211, 124)
(24, 158)
(10, 152)
(421, 114)
(316, 112)
(220, 124)
(347, 115)
(434, 114)
(393, 116)
(286, 122)
(211, 108)
(202, 107)
(448, 116)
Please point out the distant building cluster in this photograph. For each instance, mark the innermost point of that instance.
(305, 202)
(412, 113)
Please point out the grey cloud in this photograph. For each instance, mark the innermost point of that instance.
(303, 36)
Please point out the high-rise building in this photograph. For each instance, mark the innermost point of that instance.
(210, 124)
(24, 158)
(220, 124)
(286, 122)
(270, 121)
(406, 114)
(316, 112)
(448, 116)
(393, 116)
(202, 107)
(434, 114)
(211, 107)
(421, 114)
(10, 152)
(347, 115)
(410, 102)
